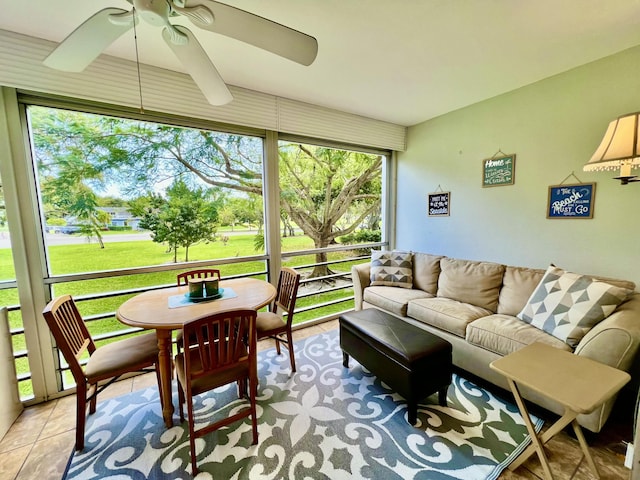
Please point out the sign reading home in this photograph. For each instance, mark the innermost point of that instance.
(571, 201)
(499, 171)
(438, 204)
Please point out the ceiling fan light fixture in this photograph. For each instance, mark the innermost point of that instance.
(154, 13)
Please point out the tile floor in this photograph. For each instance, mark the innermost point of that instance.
(38, 445)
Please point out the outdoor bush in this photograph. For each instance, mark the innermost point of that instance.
(362, 236)
(56, 222)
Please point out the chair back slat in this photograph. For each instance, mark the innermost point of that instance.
(288, 284)
(238, 337)
(69, 331)
(71, 326)
(219, 341)
(183, 278)
(83, 348)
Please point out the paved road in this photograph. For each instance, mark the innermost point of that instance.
(64, 239)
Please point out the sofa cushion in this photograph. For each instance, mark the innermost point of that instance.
(445, 313)
(567, 305)
(629, 285)
(394, 269)
(518, 284)
(466, 281)
(426, 270)
(393, 300)
(504, 334)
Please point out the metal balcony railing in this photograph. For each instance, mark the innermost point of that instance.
(319, 299)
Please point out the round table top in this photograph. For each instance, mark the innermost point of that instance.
(151, 309)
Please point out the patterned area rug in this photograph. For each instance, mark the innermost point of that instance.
(325, 422)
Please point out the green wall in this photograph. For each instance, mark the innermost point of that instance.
(553, 127)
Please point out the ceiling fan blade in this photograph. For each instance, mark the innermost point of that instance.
(197, 63)
(258, 31)
(85, 43)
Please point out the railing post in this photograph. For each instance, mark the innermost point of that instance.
(271, 191)
(9, 395)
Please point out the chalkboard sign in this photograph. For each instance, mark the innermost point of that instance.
(571, 201)
(438, 204)
(499, 171)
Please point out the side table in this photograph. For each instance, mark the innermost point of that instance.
(579, 384)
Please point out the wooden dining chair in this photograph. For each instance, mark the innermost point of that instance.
(183, 279)
(106, 363)
(272, 324)
(221, 350)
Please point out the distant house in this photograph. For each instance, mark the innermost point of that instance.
(121, 217)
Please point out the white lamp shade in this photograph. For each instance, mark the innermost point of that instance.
(619, 146)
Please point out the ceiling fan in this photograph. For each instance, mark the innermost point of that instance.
(87, 41)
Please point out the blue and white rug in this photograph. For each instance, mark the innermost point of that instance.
(325, 422)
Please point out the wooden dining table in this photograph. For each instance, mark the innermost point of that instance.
(152, 310)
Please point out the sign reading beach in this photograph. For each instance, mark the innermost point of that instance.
(498, 171)
(571, 201)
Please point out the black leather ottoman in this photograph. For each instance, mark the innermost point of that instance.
(412, 361)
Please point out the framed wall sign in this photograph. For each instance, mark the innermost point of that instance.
(571, 201)
(438, 204)
(498, 171)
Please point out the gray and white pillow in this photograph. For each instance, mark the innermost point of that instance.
(394, 269)
(567, 305)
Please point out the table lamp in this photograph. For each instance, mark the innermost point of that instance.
(619, 148)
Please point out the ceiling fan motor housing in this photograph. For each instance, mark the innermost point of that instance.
(154, 12)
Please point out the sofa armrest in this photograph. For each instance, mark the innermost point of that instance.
(615, 341)
(360, 275)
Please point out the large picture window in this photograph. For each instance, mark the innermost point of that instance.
(123, 204)
(330, 201)
(167, 193)
(121, 196)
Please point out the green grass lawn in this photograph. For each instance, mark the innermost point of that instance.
(88, 257)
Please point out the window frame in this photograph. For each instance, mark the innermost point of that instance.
(33, 282)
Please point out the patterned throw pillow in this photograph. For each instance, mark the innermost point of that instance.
(567, 305)
(394, 269)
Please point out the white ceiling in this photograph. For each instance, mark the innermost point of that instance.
(401, 61)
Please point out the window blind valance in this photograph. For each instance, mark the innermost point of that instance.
(115, 81)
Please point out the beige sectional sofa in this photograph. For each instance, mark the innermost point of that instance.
(474, 305)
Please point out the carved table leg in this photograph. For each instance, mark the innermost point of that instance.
(165, 364)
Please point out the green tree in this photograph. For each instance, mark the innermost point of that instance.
(92, 222)
(247, 210)
(56, 222)
(111, 201)
(66, 196)
(328, 193)
(227, 216)
(186, 217)
(69, 179)
(288, 230)
(320, 186)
